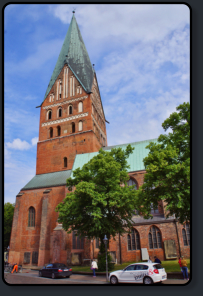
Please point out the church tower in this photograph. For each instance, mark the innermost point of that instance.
(72, 122)
(72, 119)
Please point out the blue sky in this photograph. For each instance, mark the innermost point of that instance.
(141, 57)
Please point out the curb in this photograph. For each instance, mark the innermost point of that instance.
(170, 275)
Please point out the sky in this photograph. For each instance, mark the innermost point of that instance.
(141, 54)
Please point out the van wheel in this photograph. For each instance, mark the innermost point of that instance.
(114, 280)
(147, 281)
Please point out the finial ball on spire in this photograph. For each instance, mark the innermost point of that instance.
(73, 11)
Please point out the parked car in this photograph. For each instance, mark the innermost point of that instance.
(54, 270)
(146, 273)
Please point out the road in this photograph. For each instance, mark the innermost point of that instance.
(31, 277)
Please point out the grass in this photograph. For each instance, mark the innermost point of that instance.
(170, 266)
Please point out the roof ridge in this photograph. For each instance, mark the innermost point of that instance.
(130, 143)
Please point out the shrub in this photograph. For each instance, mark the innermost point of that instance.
(102, 262)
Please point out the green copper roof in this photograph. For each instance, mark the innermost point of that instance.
(74, 53)
(135, 159)
(48, 180)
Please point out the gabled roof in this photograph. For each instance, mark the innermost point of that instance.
(48, 180)
(135, 160)
(74, 54)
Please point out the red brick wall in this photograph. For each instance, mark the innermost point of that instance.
(51, 153)
(27, 239)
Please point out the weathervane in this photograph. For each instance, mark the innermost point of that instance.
(74, 9)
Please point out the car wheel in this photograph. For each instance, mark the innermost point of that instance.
(147, 281)
(53, 276)
(40, 273)
(114, 280)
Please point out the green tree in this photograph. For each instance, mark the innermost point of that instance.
(100, 202)
(168, 168)
(8, 218)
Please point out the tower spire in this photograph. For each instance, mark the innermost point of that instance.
(74, 54)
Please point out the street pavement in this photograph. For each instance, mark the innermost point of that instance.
(31, 277)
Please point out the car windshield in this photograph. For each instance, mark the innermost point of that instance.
(158, 266)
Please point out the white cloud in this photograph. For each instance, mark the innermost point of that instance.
(34, 141)
(138, 121)
(18, 145)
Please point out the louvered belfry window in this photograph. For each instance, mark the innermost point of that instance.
(31, 217)
(154, 238)
(73, 127)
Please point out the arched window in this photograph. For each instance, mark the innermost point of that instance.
(73, 127)
(129, 242)
(77, 241)
(51, 132)
(60, 112)
(131, 182)
(154, 209)
(80, 107)
(31, 217)
(186, 234)
(65, 162)
(154, 238)
(134, 240)
(80, 126)
(97, 242)
(70, 110)
(49, 114)
(58, 131)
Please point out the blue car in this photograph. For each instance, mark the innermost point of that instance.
(55, 270)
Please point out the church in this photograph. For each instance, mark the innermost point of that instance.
(72, 129)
